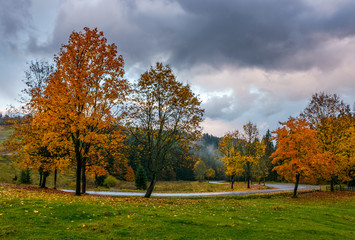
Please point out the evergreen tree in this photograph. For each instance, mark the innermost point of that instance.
(269, 149)
(25, 177)
(141, 178)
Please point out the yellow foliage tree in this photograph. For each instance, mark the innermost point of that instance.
(331, 117)
(232, 158)
(211, 173)
(200, 170)
(241, 152)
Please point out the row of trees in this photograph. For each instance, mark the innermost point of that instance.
(81, 113)
(316, 146)
(319, 144)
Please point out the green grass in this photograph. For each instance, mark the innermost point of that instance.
(8, 171)
(30, 214)
(185, 186)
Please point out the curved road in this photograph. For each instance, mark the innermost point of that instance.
(277, 188)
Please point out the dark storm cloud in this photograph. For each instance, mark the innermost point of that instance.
(257, 33)
(264, 34)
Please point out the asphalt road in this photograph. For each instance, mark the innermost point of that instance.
(278, 188)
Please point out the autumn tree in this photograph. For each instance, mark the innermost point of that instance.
(80, 99)
(346, 152)
(241, 151)
(200, 170)
(28, 145)
(129, 176)
(252, 149)
(297, 154)
(330, 116)
(165, 117)
(31, 150)
(342, 148)
(230, 155)
(210, 173)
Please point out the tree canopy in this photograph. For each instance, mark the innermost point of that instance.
(78, 103)
(165, 117)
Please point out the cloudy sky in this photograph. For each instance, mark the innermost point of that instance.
(255, 60)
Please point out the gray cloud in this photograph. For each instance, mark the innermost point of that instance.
(258, 33)
(14, 20)
(14, 17)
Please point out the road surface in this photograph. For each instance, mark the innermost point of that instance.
(279, 187)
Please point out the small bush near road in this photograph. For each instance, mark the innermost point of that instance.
(110, 181)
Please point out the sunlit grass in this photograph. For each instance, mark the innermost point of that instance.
(188, 186)
(5, 133)
(28, 213)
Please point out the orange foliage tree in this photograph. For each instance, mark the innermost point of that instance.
(129, 176)
(31, 150)
(165, 118)
(28, 145)
(80, 100)
(298, 153)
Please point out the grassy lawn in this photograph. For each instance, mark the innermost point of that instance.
(8, 170)
(27, 213)
(187, 186)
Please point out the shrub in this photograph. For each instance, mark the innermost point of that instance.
(141, 178)
(99, 180)
(110, 181)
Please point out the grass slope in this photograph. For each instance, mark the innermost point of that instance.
(28, 213)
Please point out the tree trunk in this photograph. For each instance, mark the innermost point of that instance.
(83, 180)
(151, 186)
(232, 179)
(332, 181)
(248, 174)
(296, 185)
(40, 177)
(55, 179)
(44, 178)
(78, 177)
